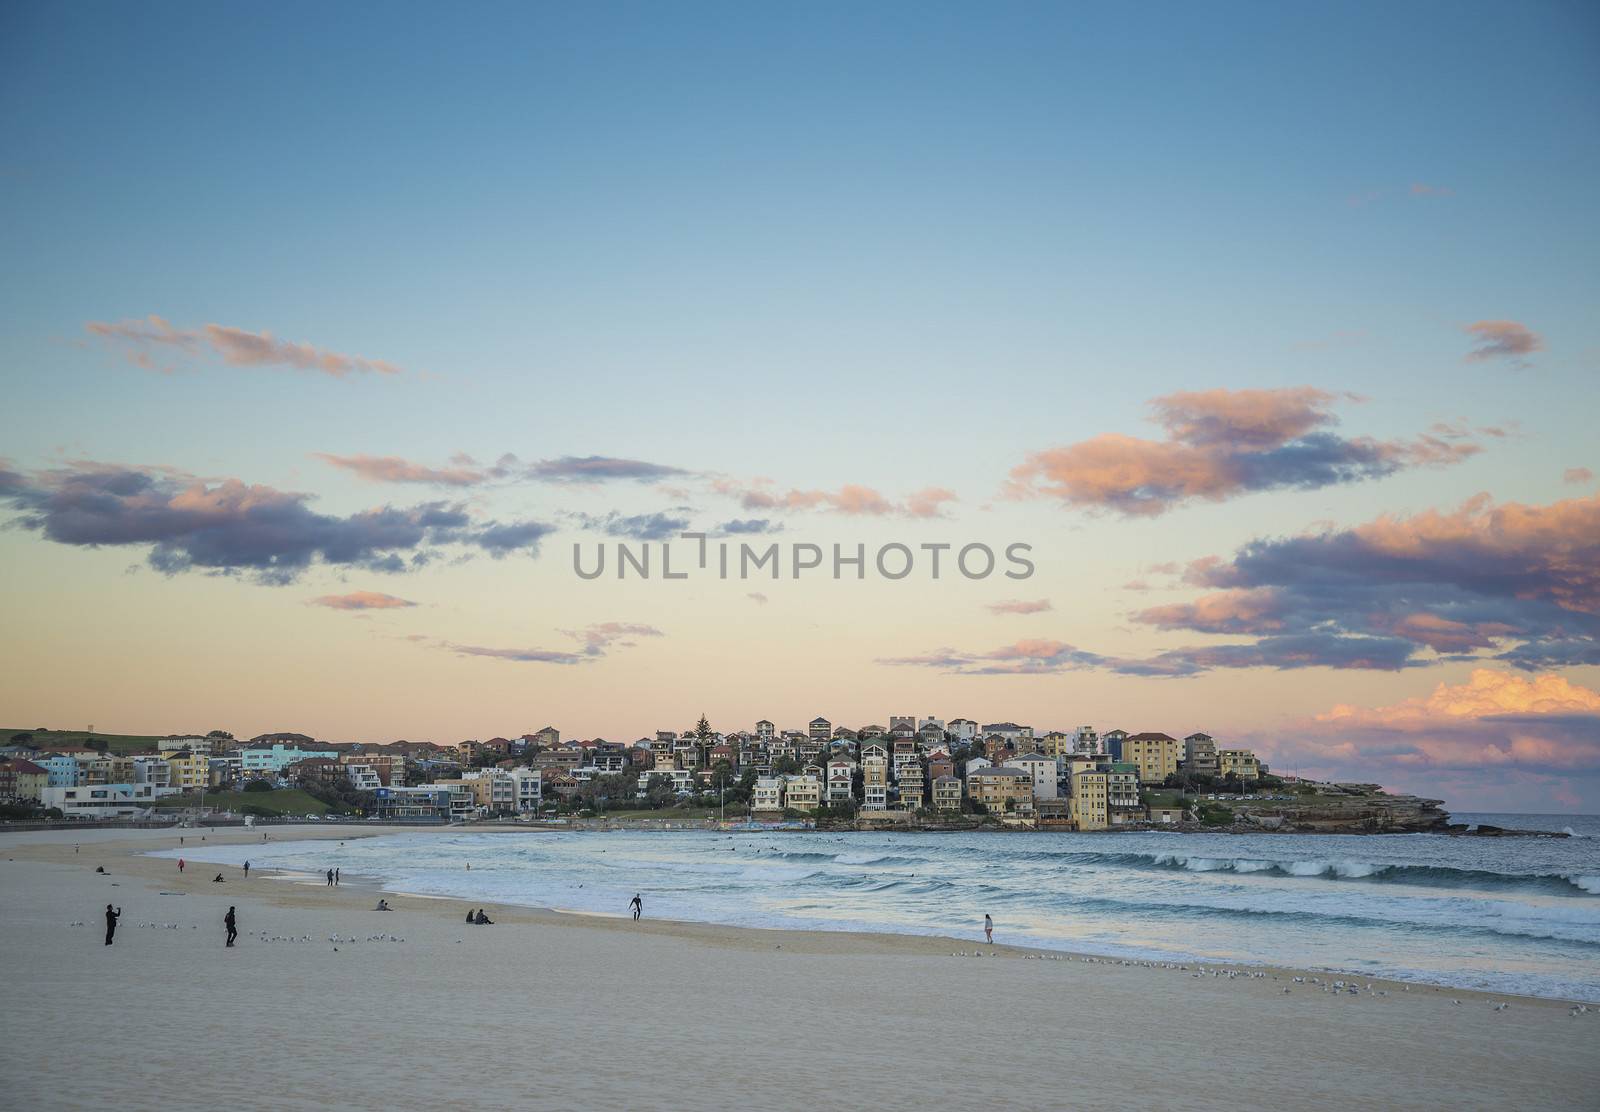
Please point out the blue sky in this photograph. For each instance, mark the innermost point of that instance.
(901, 247)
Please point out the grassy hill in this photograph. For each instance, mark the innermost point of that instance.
(78, 739)
(283, 801)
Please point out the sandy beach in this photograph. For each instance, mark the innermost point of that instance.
(547, 1009)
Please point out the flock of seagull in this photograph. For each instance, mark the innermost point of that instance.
(1332, 987)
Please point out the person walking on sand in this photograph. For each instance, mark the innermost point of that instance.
(637, 905)
(232, 924)
(336, 876)
(330, 878)
(180, 864)
(988, 929)
(247, 870)
(111, 923)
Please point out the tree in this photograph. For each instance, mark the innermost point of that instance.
(703, 731)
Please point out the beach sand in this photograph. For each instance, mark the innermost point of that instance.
(550, 1010)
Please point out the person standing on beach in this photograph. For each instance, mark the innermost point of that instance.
(180, 864)
(638, 907)
(247, 870)
(336, 876)
(988, 929)
(232, 924)
(330, 878)
(111, 923)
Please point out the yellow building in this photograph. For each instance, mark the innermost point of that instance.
(189, 771)
(1155, 754)
(947, 793)
(1091, 799)
(1238, 762)
(802, 793)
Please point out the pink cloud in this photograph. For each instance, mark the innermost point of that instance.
(1501, 339)
(362, 600)
(1221, 444)
(393, 469)
(1020, 606)
(140, 340)
(1577, 475)
(852, 499)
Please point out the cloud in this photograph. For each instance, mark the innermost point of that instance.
(1031, 656)
(750, 525)
(599, 469)
(141, 341)
(1501, 339)
(1577, 475)
(1020, 606)
(642, 527)
(520, 656)
(1222, 444)
(1518, 581)
(852, 499)
(361, 600)
(1500, 739)
(598, 638)
(229, 526)
(393, 469)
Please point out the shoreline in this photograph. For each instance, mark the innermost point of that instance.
(550, 1008)
(291, 884)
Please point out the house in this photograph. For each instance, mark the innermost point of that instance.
(1156, 755)
(870, 732)
(1008, 730)
(1002, 790)
(363, 778)
(529, 788)
(962, 730)
(546, 737)
(1041, 770)
(820, 729)
(765, 730)
(321, 772)
(947, 793)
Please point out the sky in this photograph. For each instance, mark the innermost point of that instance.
(327, 333)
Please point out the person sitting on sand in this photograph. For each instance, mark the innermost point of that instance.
(383, 905)
(471, 918)
(217, 879)
(483, 920)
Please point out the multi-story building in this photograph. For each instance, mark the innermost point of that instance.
(947, 793)
(188, 771)
(425, 801)
(819, 729)
(1155, 754)
(768, 794)
(63, 769)
(802, 793)
(1090, 799)
(389, 768)
(257, 760)
(1112, 740)
(765, 730)
(874, 779)
(1040, 769)
(23, 780)
(1055, 744)
(530, 788)
(1086, 740)
(1122, 794)
(1241, 763)
(1009, 730)
(912, 784)
(1200, 755)
(1002, 790)
(102, 801)
(841, 780)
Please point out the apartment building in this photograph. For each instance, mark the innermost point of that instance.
(1156, 755)
(1091, 799)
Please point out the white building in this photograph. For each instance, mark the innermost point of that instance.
(962, 729)
(1086, 739)
(257, 759)
(1043, 771)
(530, 788)
(103, 801)
(768, 794)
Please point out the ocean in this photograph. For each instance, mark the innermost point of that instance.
(1517, 915)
